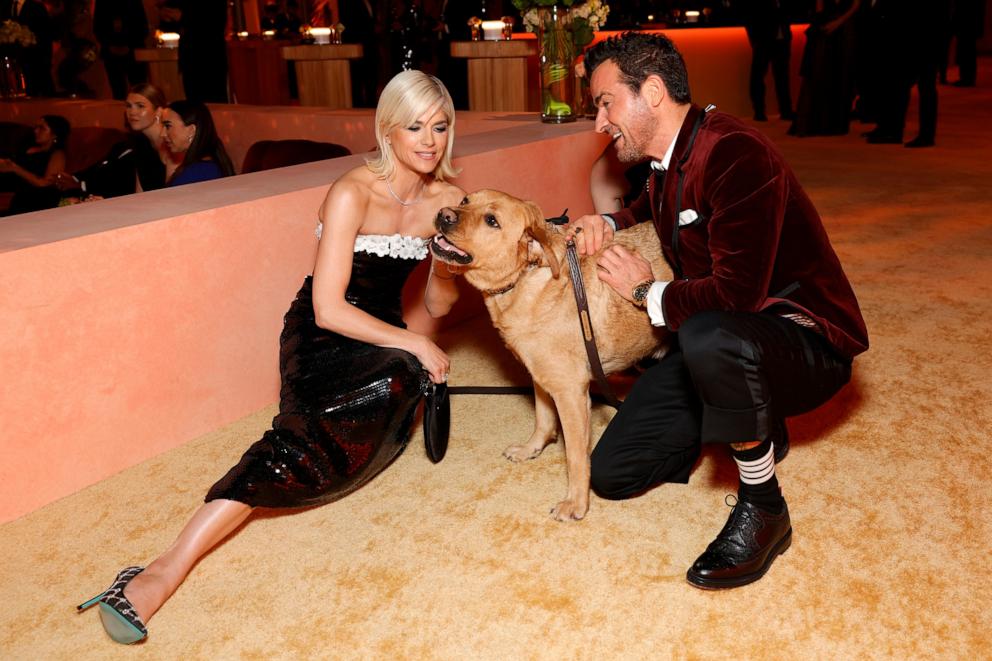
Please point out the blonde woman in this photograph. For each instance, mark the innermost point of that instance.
(352, 375)
(138, 163)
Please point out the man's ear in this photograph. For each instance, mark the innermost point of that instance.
(653, 90)
(537, 229)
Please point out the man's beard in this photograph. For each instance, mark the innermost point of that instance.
(640, 130)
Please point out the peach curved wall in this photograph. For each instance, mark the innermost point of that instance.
(135, 324)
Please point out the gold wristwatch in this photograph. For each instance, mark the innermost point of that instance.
(639, 294)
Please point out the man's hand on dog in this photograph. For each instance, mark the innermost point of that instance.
(622, 269)
(590, 233)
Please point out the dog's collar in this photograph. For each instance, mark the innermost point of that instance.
(501, 290)
(505, 288)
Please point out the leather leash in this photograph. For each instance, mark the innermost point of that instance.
(588, 336)
(585, 321)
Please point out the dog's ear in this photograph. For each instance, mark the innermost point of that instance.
(537, 229)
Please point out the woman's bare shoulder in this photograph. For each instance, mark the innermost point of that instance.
(447, 193)
(354, 185)
(356, 178)
(349, 194)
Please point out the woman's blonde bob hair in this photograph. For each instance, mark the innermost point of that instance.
(404, 100)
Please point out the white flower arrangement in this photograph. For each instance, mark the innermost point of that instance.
(13, 33)
(592, 13)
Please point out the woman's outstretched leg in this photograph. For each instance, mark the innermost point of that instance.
(209, 525)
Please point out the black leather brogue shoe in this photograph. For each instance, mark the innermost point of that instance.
(744, 550)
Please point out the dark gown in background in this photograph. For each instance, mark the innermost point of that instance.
(28, 197)
(828, 75)
(346, 407)
(130, 161)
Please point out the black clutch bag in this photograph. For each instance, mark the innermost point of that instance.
(437, 421)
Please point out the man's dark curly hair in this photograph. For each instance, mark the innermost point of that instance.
(639, 55)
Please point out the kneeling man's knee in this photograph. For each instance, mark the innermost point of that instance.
(606, 480)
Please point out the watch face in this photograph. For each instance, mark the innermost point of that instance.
(640, 292)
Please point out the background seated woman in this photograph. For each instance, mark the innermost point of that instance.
(138, 163)
(188, 129)
(32, 174)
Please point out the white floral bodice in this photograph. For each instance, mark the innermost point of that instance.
(392, 245)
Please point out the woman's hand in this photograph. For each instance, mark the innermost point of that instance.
(442, 290)
(65, 181)
(435, 361)
(444, 270)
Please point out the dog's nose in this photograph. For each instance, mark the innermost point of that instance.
(446, 218)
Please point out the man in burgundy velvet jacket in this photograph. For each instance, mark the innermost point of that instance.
(765, 321)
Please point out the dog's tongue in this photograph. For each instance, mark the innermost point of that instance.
(450, 247)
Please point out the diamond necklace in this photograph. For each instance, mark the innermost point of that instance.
(398, 199)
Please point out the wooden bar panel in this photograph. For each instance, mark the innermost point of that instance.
(497, 73)
(163, 70)
(323, 74)
(258, 72)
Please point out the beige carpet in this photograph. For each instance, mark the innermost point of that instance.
(887, 486)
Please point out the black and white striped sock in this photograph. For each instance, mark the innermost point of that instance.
(758, 484)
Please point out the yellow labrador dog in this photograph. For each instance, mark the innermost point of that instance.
(518, 262)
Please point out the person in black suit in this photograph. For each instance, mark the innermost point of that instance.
(969, 25)
(359, 20)
(121, 26)
(913, 58)
(203, 51)
(770, 36)
(37, 61)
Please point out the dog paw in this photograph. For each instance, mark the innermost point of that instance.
(569, 510)
(518, 453)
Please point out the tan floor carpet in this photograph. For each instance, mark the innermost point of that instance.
(887, 486)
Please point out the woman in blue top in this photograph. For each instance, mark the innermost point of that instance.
(188, 129)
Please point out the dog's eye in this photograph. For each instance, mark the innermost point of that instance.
(491, 221)
(465, 201)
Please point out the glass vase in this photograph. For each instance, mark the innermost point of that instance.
(557, 59)
(11, 78)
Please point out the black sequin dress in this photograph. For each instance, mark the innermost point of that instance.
(346, 407)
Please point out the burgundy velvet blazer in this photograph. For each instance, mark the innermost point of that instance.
(758, 242)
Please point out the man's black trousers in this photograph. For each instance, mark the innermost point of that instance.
(731, 377)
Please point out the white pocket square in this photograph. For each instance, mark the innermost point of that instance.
(688, 217)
